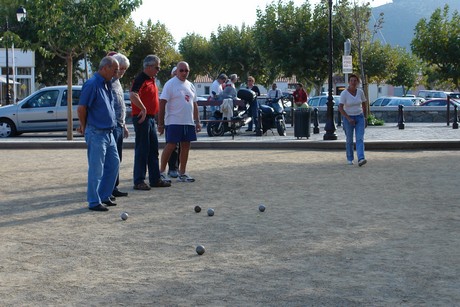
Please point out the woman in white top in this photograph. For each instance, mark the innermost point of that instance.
(352, 106)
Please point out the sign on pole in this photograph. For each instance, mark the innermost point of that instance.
(347, 64)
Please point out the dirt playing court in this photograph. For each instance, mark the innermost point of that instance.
(384, 234)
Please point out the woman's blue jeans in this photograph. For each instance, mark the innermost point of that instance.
(358, 129)
(103, 164)
(146, 151)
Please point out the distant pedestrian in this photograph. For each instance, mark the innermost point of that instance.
(97, 122)
(230, 88)
(217, 86)
(300, 96)
(145, 106)
(275, 93)
(352, 106)
(254, 105)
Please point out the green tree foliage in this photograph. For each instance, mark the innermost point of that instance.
(360, 16)
(234, 51)
(378, 61)
(406, 69)
(294, 40)
(437, 42)
(53, 70)
(13, 35)
(197, 52)
(148, 39)
(431, 78)
(341, 30)
(276, 33)
(123, 41)
(68, 29)
(65, 28)
(230, 50)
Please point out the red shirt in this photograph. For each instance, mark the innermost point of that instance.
(148, 92)
(300, 95)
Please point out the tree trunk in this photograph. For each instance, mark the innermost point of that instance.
(69, 99)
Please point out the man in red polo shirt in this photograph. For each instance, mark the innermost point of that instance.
(145, 105)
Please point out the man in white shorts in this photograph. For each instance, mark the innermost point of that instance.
(178, 119)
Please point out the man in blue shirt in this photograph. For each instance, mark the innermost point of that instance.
(97, 122)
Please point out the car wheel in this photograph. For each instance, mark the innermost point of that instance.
(7, 128)
(281, 127)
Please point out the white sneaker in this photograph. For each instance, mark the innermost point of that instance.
(185, 178)
(165, 177)
(350, 162)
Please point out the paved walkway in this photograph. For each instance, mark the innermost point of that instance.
(414, 136)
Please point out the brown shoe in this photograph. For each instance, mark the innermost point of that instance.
(161, 184)
(141, 186)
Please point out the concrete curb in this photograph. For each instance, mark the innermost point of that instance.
(235, 144)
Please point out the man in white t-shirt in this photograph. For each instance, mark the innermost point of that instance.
(216, 87)
(216, 90)
(178, 119)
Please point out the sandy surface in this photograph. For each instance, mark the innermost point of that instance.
(385, 234)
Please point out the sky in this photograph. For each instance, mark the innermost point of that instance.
(204, 16)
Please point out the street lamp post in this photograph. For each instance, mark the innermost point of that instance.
(330, 124)
(346, 52)
(21, 14)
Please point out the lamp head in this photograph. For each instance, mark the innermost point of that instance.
(21, 14)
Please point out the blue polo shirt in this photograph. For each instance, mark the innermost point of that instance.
(97, 96)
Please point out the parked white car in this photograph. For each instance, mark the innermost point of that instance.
(43, 111)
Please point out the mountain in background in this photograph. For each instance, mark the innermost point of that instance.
(401, 17)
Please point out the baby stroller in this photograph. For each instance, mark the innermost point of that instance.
(231, 116)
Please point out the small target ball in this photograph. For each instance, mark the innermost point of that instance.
(124, 216)
(261, 208)
(197, 209)
(200, 250)
(210, 211)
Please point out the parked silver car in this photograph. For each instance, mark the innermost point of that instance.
(43, 111)
(321, 101)
(396, 101)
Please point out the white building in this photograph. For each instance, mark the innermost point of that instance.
(21, 66)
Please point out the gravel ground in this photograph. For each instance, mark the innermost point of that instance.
(384, 234)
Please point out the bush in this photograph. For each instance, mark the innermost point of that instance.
(373, 121)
